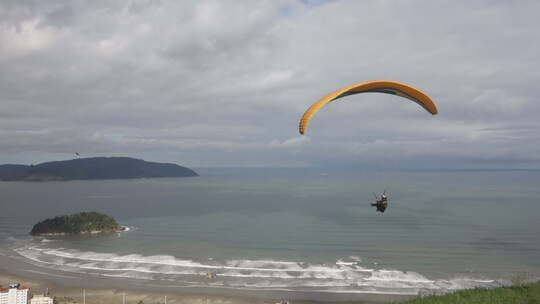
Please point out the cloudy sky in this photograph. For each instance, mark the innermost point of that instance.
(211, 83)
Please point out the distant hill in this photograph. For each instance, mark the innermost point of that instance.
(92, 168)
(79, 223)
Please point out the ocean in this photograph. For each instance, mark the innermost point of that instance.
(308, 231)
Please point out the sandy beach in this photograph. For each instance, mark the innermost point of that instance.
(110, 296)
(72, 295)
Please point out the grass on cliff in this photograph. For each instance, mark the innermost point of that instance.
(519, 294)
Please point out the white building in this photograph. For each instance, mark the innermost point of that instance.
(41, 299)
(15, 294)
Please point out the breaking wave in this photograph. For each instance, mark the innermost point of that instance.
(344, 275)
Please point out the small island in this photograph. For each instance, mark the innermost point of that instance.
(79, 223)
(92, 168)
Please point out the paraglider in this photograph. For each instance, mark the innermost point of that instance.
(374, 86)
(380, 203)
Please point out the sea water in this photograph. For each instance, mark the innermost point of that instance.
(288, 230)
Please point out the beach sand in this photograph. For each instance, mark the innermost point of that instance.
(74, 295)
(70, 295)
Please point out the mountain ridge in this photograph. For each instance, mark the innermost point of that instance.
(93, 168)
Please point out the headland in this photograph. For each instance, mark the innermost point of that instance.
(92, 169)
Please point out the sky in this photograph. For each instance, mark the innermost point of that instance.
(212, 83)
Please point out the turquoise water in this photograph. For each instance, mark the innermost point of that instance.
(290, 229)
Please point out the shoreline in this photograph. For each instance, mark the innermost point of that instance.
(106, 286)
(71, 294)
(122, 228)
(70, 284)
(155, 294)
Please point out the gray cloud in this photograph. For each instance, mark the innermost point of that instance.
(215, 83)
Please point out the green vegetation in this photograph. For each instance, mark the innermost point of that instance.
(79, 223)
(520, 294)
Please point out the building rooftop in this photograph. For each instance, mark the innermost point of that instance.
(14, 286)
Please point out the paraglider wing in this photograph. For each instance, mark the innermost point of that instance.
(375, 86)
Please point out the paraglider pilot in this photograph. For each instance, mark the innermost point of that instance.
(381, 203)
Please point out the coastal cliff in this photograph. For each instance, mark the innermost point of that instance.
(79, 223)
(92, 168)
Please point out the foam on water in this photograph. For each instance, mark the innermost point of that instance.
(345, 275)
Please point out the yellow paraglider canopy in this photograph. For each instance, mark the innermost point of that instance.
(375, 86)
